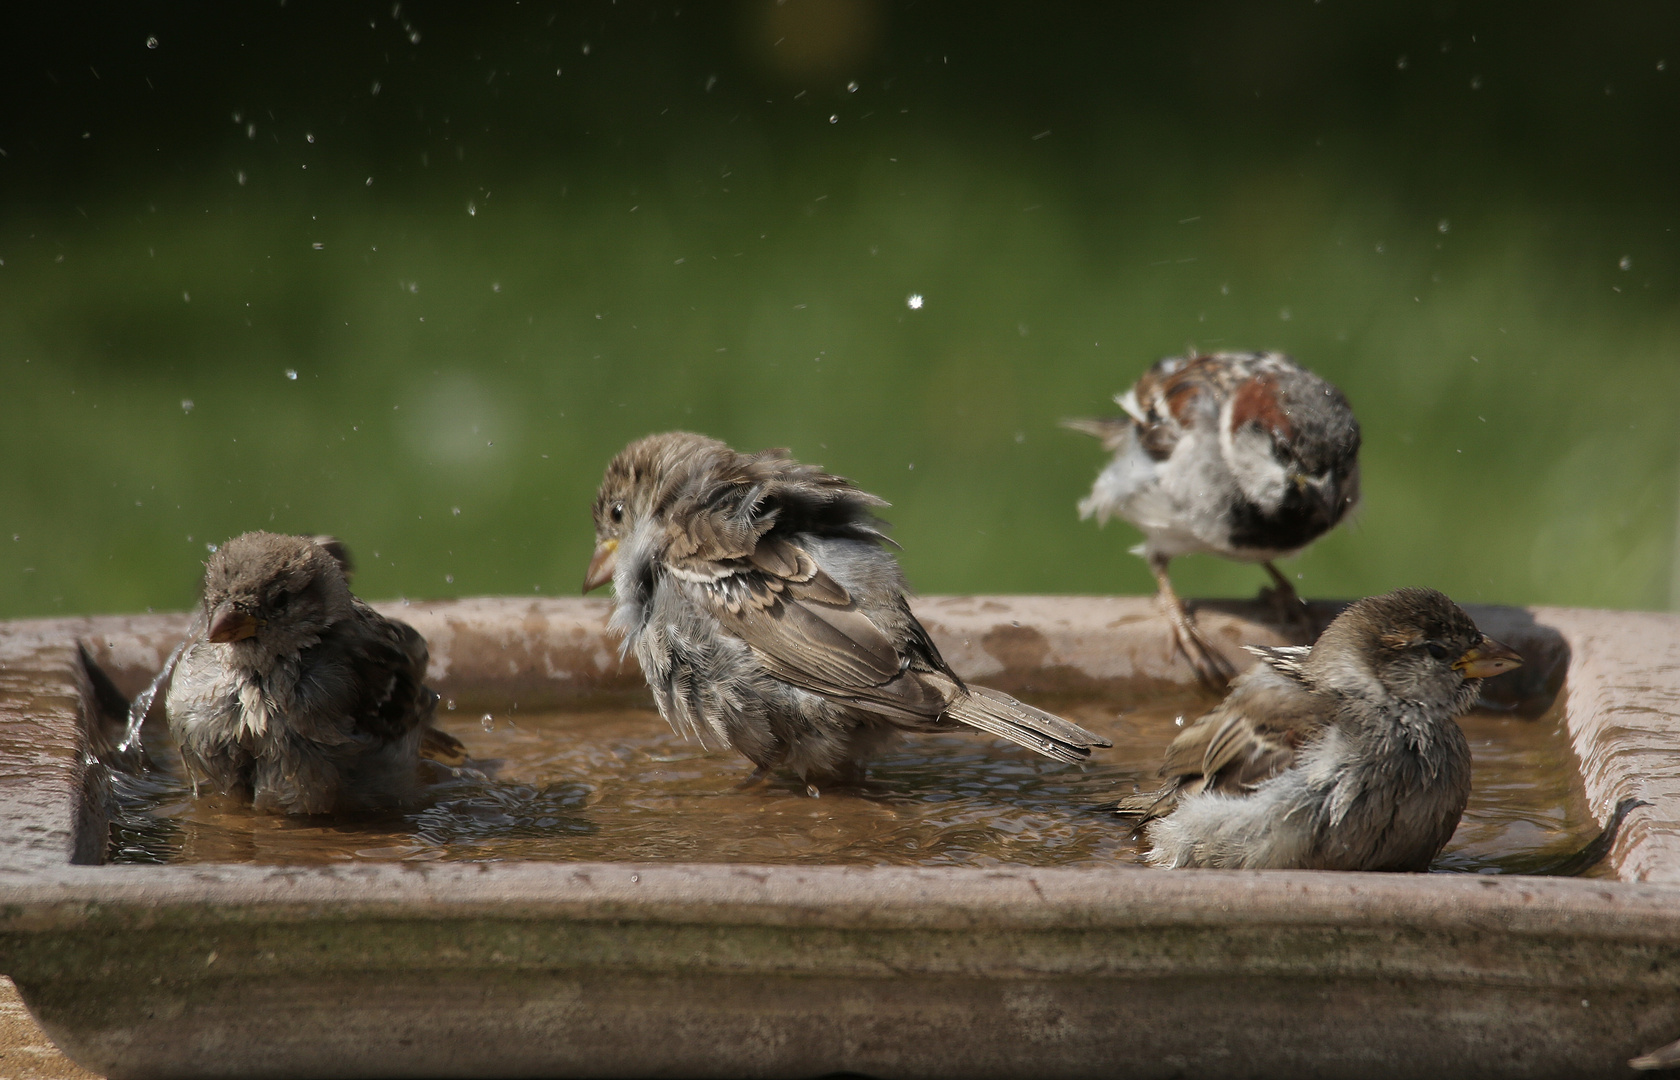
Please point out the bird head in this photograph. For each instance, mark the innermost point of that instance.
(269, 594)
(1412, 644)
(639, 484)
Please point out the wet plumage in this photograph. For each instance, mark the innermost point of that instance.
(1342, 756)
(295, 694)
(1243, 455)
(767, 616)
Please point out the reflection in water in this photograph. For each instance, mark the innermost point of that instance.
(621, 786)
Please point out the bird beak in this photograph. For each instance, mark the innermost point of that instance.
(1487, 659)
(601, 567)
(230, 624)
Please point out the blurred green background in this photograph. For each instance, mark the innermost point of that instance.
(412, 273)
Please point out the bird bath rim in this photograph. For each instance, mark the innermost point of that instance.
(622, 968)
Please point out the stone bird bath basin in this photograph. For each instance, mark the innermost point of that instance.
(623, 969)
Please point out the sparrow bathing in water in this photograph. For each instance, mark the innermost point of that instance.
(767, 616)
(295, 694)
(1244, 455)
(1344, 755)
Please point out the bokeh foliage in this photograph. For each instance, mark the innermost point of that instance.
(494, 254)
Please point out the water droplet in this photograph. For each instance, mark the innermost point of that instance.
(376, 88)
(634, 878)
(186, 404)
(186, 297)
(414, 38)
(449, 579)
(488, 722)
(211, 548)
(1284, 315)
(370, 181)
(913, 301)
(1443, 225)
(834, 119)
(250, 131)
(291, 373)
(449, 704)
(240, 176)
(1401, 63)
(586, 48)
(456, 510)
(309, 136)
(1178, 721)
(495, 286)
(472, 208)
(152, 42)
(1626, 263)
(852, 87)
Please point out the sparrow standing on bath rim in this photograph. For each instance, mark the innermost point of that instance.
(295, 694)
(1245, 455)
(1344, 755)
(767, 616)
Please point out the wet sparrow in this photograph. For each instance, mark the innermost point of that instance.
(1341, 756)
(295, 694)
(767, 616)
(1245, 455)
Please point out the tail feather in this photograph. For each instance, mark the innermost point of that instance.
(1035, 729)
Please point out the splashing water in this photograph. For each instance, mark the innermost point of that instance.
(142, 703)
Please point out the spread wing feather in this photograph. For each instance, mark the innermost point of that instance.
(1251, 736)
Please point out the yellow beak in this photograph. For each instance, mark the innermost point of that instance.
(602, 565)
(228, 623)
(1487, 659)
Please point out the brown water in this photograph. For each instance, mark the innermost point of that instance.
(620, 785)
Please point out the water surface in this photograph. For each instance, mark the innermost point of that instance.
(621, 786)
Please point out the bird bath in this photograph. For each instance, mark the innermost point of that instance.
(448, 967)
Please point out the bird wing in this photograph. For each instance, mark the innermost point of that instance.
(808, 631)
(1251, 736)
(365, 680)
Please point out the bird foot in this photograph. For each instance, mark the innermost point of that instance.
(1288, 608)
(758, 779)
(1214, 671)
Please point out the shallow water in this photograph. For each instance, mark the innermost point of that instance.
(620, 785)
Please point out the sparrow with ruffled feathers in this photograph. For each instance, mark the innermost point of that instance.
(767, 616)
(295, 694)
(1345, 755)
(1244, 455)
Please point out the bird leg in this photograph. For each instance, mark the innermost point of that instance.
(1214, 671)
(760, 776)
(1290, 608)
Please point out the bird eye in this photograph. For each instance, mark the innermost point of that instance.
(280, 600)
(1438, 650)
(617, 512)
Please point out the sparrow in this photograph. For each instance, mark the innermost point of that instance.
(293, 693)
(768, 617)
(1342, 755)
(1244, 455)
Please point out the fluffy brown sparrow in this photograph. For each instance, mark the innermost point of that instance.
(1344, 755)
(295, 694)
(1245, 455)
(767, 616)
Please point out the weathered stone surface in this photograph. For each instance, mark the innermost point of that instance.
(441, 969)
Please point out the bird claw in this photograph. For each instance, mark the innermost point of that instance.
(1214, 671)
(760, 777)
(1287, 606)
